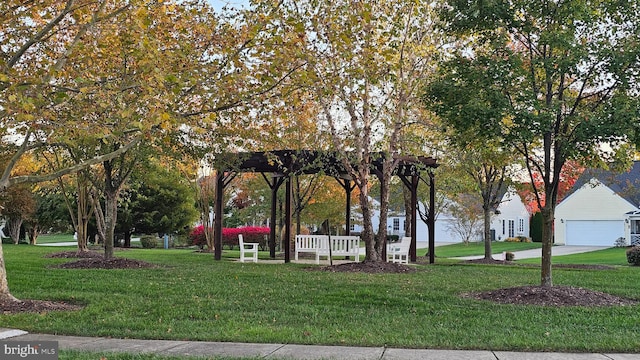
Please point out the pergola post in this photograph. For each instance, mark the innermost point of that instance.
(412, 185)
(413, 249)
(217, 215)
(432, 220)
(348, 188)
(274, 184)
(287, 221)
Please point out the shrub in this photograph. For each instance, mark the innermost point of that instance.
(196, 237)
(390, 238)
(180, 240)
(620, 242)
(523, 239)
(509, 256)
(149, 241)
(633, 255)
(393, 238)
(257, 234)
(536, 227)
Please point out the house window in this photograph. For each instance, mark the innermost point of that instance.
(520, 226)
(512, 225)
(503, 229)
(396, 225)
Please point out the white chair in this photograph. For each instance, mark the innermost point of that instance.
(399, 252)
(248, 251)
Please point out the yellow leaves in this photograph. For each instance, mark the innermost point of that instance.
(164, 117)
(142, 17)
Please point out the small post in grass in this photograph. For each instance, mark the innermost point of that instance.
(329, 239)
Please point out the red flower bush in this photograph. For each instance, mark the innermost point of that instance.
(257, 234)
(196, 237)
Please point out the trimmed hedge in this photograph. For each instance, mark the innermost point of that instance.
(257, 234)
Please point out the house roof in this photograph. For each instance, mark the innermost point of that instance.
(626, 184)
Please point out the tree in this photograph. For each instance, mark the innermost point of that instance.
(50, 214)
(205, 190)
(489, 167)
(158, 201)
(556, 79)
(365, 62)
(466, 210)
(56, 71)
(19, 206)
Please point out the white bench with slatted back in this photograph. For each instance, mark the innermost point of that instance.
(342, 245)
(319, 245)
(311, 244)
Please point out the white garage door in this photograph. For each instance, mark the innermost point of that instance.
(594, 232)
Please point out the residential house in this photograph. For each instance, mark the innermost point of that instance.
(511, 219)
(602, 207)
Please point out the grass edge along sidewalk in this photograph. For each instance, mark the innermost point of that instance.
(190, 296)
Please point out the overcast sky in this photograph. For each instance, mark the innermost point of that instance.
(218, 4)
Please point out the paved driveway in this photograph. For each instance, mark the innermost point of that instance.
(536, 253)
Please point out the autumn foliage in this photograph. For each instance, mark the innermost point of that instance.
(570, 173)
(257, 234)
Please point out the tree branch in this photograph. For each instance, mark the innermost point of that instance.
(4, 183)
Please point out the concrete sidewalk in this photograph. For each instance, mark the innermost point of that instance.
(284, 351)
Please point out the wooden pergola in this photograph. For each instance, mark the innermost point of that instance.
(284, 164)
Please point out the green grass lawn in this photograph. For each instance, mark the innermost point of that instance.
(54, 238)
(191, 296)
(477, 248)
(86, 355)
(611, 256)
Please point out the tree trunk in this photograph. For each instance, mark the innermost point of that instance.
(100, 219)
(206, 188)
(127, 239)
(33, 231)
(547, 244)
(381, 242)
(367, 227)
(83, 212)
(408, 215)
(4, 286)
(14, 224)
(111, 214)
(487, 232)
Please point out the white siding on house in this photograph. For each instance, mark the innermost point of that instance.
(511, 209)
(512, 219)
(593, 202)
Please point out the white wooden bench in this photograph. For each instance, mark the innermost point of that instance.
(319, 245)
(342, 245)
(399, 252)
(248, 251)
